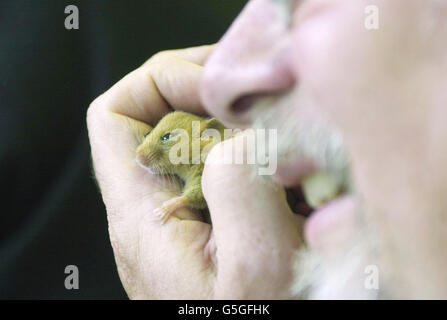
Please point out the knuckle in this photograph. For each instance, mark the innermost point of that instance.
(92, 110)
(161, 57)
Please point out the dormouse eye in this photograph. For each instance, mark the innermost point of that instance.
(165, 137)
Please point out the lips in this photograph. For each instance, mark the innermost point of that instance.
(324, 223)
(291, 172)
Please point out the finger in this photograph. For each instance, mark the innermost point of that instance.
(254, 228)
(168, 79)
(119, 117)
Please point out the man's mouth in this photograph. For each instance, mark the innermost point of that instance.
(322, 196)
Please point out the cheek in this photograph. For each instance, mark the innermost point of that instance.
(330, 55)
(315, 45)
(152, 154)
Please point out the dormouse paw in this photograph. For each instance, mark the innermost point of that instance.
(168, 208)
(163, 214)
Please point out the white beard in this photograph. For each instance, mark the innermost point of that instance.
(342, 275)
(304, 131)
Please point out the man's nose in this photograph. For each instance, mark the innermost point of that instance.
(252, 60)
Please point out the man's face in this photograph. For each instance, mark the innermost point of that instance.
(381, 89)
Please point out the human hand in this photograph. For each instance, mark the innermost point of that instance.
(247, 253)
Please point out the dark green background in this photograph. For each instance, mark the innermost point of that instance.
(52, 215)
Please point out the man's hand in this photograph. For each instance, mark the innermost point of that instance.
(247, 253)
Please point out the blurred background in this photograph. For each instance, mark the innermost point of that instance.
(52, 214)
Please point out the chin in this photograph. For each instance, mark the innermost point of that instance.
(343, 274)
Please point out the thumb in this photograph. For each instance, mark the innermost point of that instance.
(253, 226)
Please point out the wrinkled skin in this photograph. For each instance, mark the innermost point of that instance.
(383, 89)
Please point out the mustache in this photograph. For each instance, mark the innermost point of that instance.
(306, 135)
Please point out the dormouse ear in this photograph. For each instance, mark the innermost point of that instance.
(213, 123)
(142, 130)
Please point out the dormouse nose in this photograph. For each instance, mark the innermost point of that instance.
(251, 60)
